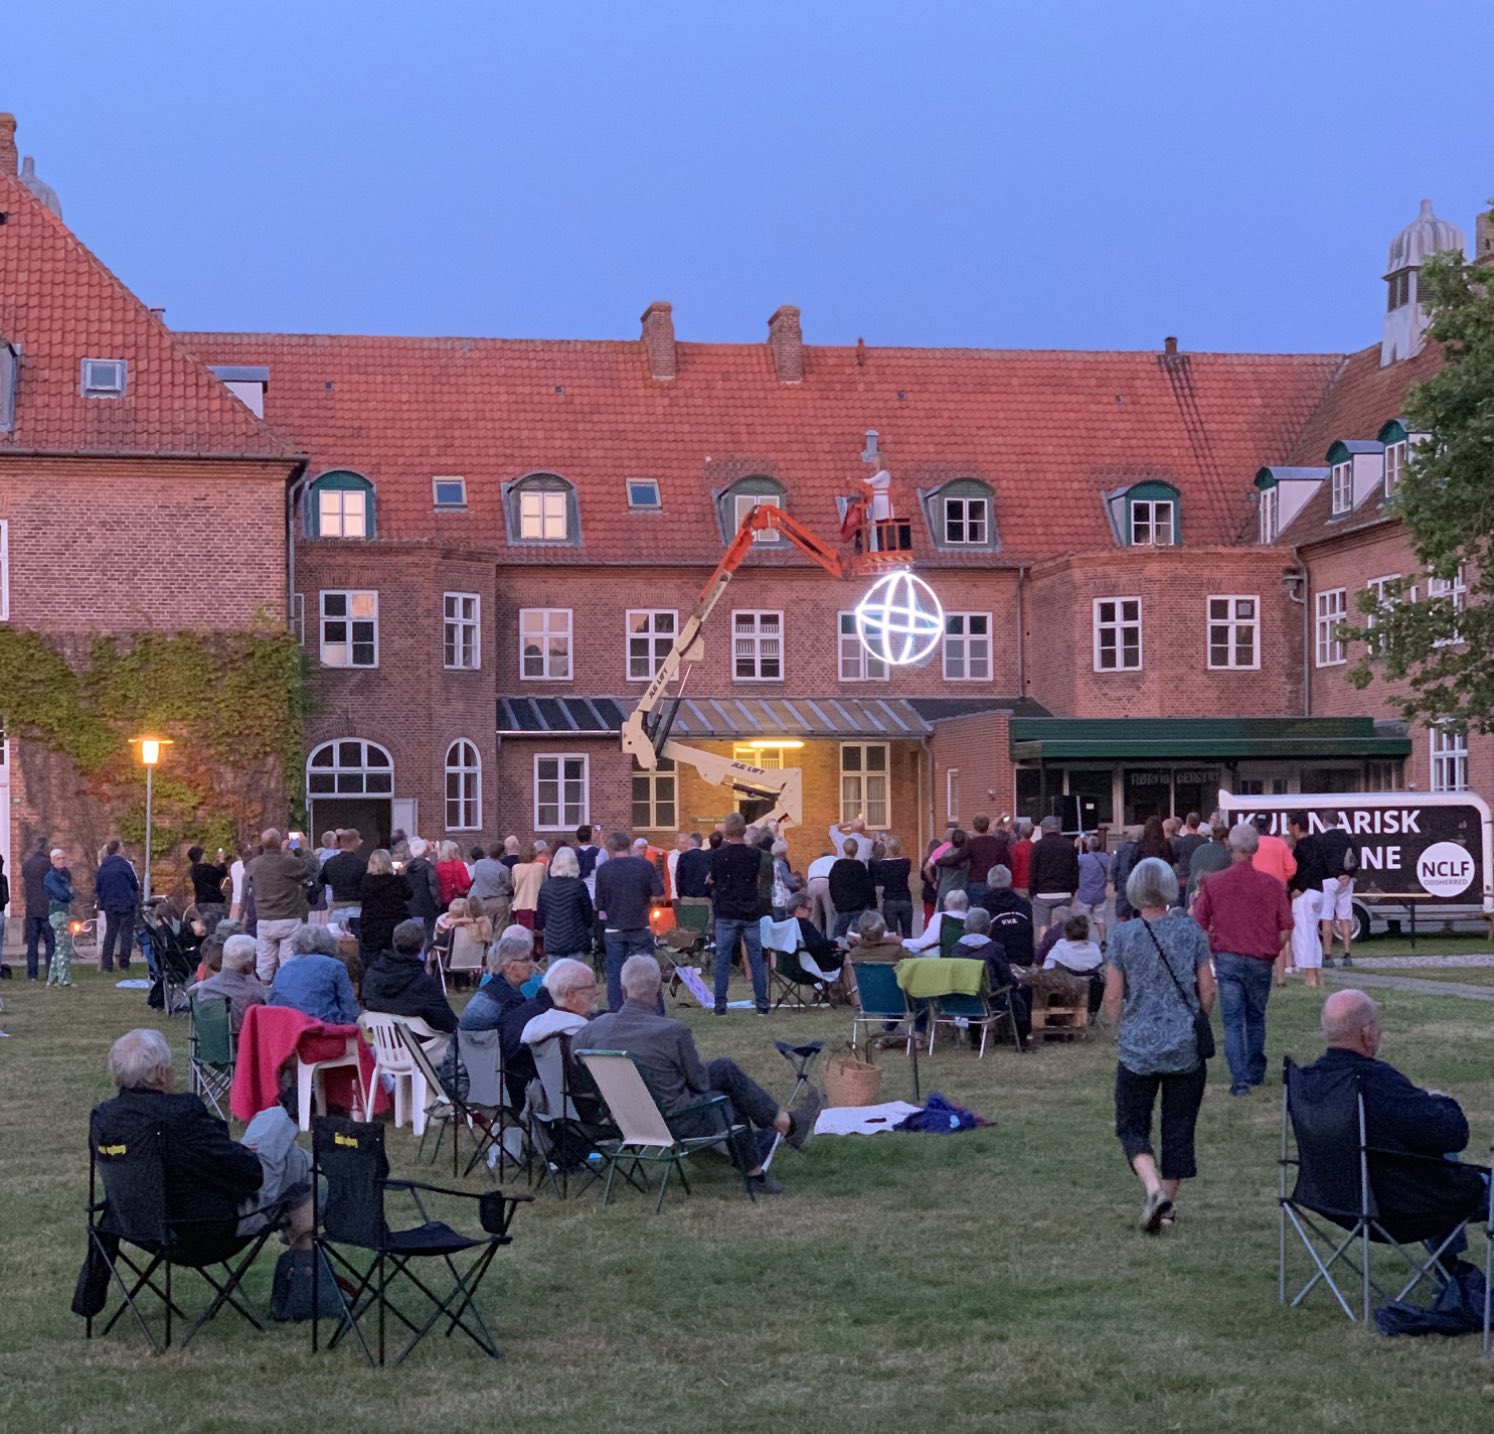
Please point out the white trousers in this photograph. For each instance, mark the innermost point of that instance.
(1307, 949)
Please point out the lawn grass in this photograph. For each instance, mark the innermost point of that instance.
(991, 1280)
(1459, 975)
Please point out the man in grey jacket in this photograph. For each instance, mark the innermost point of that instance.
(280, 876)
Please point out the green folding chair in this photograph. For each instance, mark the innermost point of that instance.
(211, 1053)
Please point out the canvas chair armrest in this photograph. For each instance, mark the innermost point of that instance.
(1432, 1162)
(716, 1101)
(447, 1190)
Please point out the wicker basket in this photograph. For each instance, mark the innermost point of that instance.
(849, 1080)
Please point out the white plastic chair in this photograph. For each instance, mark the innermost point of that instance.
(392, 1058)
(312, 1087)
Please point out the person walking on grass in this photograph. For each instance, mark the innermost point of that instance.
(1249, 923)
(1157, 979)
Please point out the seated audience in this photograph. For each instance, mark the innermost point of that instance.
(396, 983)
(873, 943)
(818, 947)
(956, 907)
(1011, 916)
(976, 945)
(234, 982)
(500, 1005)
(1076, 949)
(665, 1051)
(572, 986)
(1399, 1118)
(217, 1186)
(314, 981)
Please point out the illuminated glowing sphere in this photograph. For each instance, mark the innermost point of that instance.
(899, 621)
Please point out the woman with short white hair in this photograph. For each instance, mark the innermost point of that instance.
(564, 912)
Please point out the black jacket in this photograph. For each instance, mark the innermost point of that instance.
(1312, 870)
(1055, 865)
(425, 892)
(566, 916)
(851, 886)
(207, 883)
(397, 985)
(33, 873)
(344, 874)
(736, 870)
(1340, 853)
(1011, 924)
(207, 1173)
(384, 902)
(1400, 1118)
(692, 873)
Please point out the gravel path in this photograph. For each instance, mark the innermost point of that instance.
(1360, 975)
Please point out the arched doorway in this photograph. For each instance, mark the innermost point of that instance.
(350, 783)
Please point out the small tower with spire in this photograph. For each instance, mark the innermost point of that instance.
(1405, 319)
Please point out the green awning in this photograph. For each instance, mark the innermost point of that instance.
(1225, 739)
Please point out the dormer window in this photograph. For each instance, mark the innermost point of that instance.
(960, 515)
(1341, 488)
(1150, 516)
(104, 378)
(9, 363)
(340, 505)
(745, 495)
(1270, 514)
(542, 509)
(1397, 441)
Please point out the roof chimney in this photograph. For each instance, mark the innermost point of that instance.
(1483, 239)
(786, 344)
(658, 339)
(9, 158)
(1170, 345)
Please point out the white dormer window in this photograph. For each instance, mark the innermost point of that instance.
(965, 521)
(543, 516)
(744, 503)
(1270, 514)
(1342, 487)
(104, 378)
(1395, 463)
(1151, 523)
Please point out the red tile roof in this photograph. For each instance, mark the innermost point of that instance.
(1361, 400)
(1049, 431)
(58, 306)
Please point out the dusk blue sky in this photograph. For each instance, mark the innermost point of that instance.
(1074, 175)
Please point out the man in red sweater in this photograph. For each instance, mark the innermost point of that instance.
(1249, 922)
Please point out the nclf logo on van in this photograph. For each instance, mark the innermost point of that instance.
(1445, 869)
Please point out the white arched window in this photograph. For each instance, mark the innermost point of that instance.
(463, 787)
(349, 767)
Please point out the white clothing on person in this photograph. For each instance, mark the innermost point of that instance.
(1307, 945)
(928, 940)
(819, 868)
(1338, 899)
(838, 840)
(1082, 956)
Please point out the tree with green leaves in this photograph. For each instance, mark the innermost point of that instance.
(1442, 639)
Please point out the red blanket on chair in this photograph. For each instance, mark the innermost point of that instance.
(272, 1038)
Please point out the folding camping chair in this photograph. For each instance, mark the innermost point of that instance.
(466, 956)
(210, 1053)
(951, 929)
(790, 967)
(443, 1106)
(801, 1059)
(491, 1117)
(879, 999)
(1334, 1182)
(133, 1212)
(644, 1136)
(167, 957)
(353, 1217)
(982, 1011)
(568, 1122)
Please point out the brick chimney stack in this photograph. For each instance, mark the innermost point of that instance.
(658, 340)
(1483, 239)
(9, 157)
(786, 344)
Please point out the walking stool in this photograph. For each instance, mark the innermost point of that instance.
(802, 1059)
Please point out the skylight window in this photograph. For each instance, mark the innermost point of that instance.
(104, 378)
(644, 493)
(449, 492)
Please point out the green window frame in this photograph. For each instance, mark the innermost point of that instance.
(329, 511)
(1146, 517)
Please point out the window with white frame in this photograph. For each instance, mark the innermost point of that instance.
(1341, 487)
(449, 492)
(4, 570)
(463, 787)
(350, 629)
(654, 798)
(743, 503)
(1386, 591)
(342, 512)
(561, 791)
(545, 644)
(1235, 631)
(856, 663)
(951, 796)
(966, 520)
(651, 633)
(756, 645)
(766, 759)
(544, 515)
(967, 646)
(104, 378)
(865, 780)
(1117, 634)
(1453, 590)
(1395, 465)
(644, 493)
(1449, 758)
(1270, 514)
(1332, 607)
(1152, 523)
(460, 631)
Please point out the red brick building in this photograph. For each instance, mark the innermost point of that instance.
(495, 541)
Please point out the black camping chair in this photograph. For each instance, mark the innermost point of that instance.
(802, 1059)
(1324, 1140)
(173, 963)
(350, 1157)
(133, 1212)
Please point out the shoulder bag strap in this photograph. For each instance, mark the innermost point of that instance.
(1167, 966)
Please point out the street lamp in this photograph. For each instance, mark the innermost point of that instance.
(150, 755)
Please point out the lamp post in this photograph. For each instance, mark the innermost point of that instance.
(150, 755)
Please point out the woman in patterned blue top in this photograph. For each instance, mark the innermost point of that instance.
(1150, 1006)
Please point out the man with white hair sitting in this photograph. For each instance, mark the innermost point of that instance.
(235, 982)
(956, 908)
(665, 1052)
(572, 986)
(1399, 1118)
(216, 1186)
